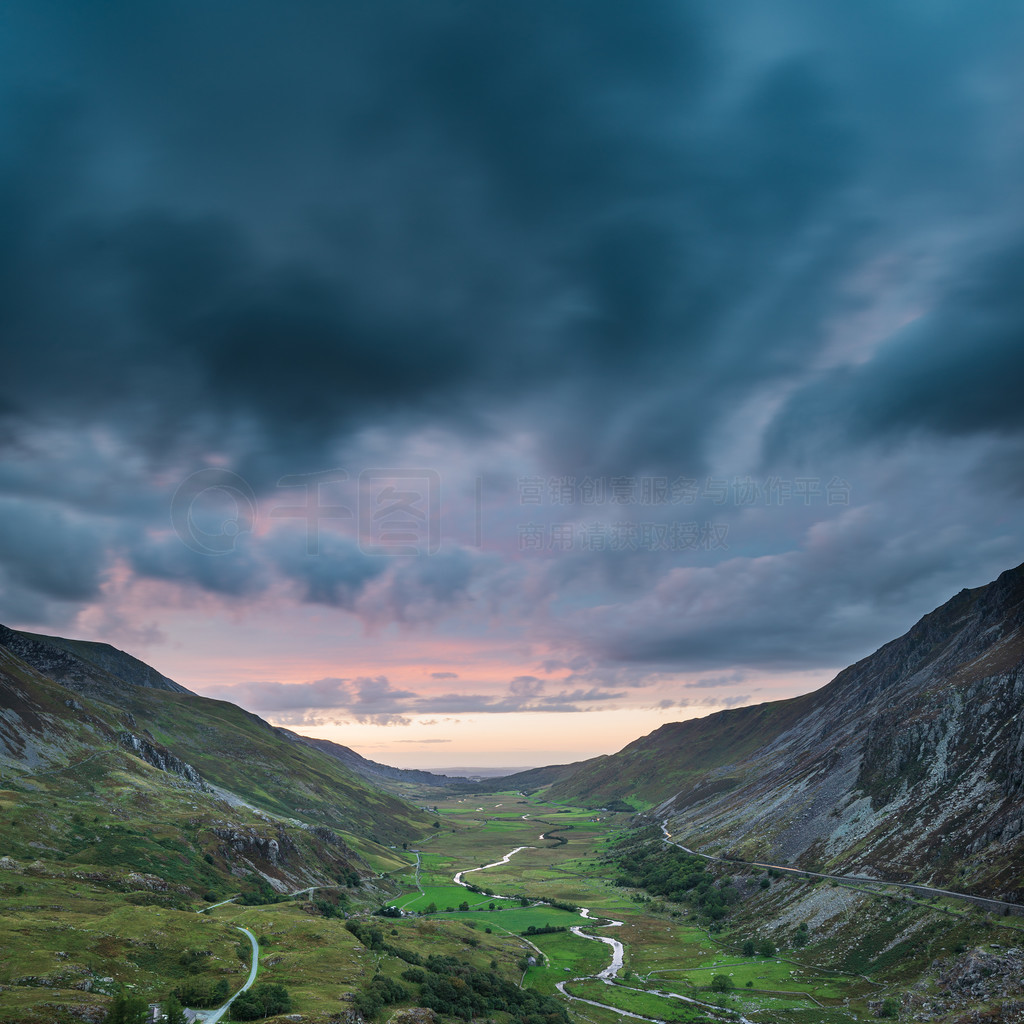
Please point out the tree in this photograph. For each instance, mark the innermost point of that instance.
(127, 1010)
(722, 983)
(263, 1000)
(765, 948)
(173, 1011)
(464, 905)
(890, 1008)
(749, 949)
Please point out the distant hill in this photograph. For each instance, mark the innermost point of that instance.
(373, 771)
(910, 763)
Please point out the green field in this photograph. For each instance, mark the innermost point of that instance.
(322, 962)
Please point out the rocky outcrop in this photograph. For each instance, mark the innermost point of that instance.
(274, 850)
(414, 1015)
(160, 758)
(981, 976)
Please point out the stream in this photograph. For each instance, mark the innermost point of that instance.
(618, 953)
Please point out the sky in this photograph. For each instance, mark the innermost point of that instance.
(480, 383)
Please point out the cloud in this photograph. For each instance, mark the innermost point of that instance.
(526, 686)
(376, 700)
(851, 585)
(335, 574)
(715, 682)
(363, 699)
(704, 702)
(574, 240)
(49, 552)
(950, 372)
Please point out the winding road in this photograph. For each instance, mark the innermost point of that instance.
(216, 1015)
(912, 886)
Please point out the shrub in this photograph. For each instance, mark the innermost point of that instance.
(127, 1010)
(890, 1008)
(263, 1000)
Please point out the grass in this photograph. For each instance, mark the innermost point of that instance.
(133, 822)
(638, 1002)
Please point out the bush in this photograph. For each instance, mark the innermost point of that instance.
(201, 992)
(722, 983)
(263, 1000)
(127, 1010)
(890, 1008)
(765, 948)
(749, 949)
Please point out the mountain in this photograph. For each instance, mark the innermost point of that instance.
(83, 665)
(909, 764)
(374, 771)
(95, 743)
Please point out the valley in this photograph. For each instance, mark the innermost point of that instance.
(493, 883)
(824, 859)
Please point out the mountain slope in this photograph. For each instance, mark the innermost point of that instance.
(221, 780)
(910, 763)
(83, 665)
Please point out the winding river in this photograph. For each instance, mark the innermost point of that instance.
(618, 953)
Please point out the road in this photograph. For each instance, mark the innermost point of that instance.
(216, 1015)
(913, 886)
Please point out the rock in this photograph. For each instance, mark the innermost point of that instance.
(160, 758)
(414, 1015)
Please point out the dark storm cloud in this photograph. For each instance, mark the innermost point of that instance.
(853, 585)
(44, 550)
(253, 235)
(501, 196)
(240, 574)
(336, 574)
(955, 371)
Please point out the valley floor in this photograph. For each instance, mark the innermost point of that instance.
(500, 882)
